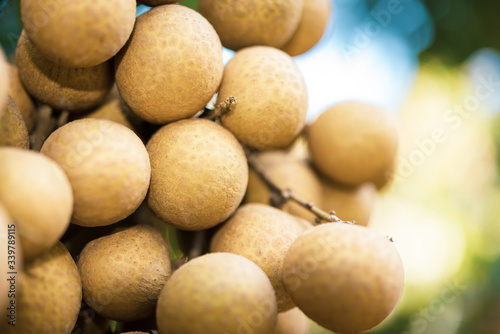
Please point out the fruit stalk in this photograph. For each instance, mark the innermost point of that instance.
(220, 109)
(284, 195)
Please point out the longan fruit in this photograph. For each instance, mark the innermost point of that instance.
(62, 88)
(292, 322)
(172, 65)
(111, 110)
(32, 180)
(123, 273)
(4, 81)
(312, 26)
(199, 174)
(107, 165)
(13, 131)
(263, 235)
(23, 100)
(271, 98)
(353, 142)
(78, 34)
(246, 23)
(48, 295)
(350, 203)
(347, 278)
(217, 293)
(287, 173)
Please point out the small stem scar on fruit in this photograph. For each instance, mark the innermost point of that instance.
(288, 194)
(220, 109)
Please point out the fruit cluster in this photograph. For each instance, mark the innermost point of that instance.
(132, 144)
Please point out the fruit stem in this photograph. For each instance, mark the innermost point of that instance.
(220, 109)
(288, 194)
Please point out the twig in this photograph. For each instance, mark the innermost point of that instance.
(220, 109)
(288, 194)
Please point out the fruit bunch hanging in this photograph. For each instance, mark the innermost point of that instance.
(125, 141)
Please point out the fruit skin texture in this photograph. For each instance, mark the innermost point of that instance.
(271, 95)
(23, 100)
(48, 295)
(242, 23)
(217, 293)
(13, 131)
(78, 34)
(353, 142)
(311, 28)
(4, 81)
(292, 322)
(349, 203)
(287, 173)
(199, 174)
(263, 235)
(107, 165)
(123, 273)
(347, 278)
(63, 88)
(30, 179)
(172, 65)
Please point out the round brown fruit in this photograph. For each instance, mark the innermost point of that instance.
(292, 322)
(263, 235)
(172, 65)
(217, 293)
(123, 273)
(13, 131)
(353, 142)
(107, 166)
(271, 98)
(246, 23)
(31, 180)
(23, 100)
(350, 203)
(347, 278)
(48, 295)
(78, 34)
(199, 174)
(286, 172)
(311, 28)
(62, 88)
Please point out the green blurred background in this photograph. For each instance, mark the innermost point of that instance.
(436, 64)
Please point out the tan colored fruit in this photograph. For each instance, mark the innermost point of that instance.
(311, 28)
(37, 194)
(271, 94)
(349, 203)
(287, 173)
(111, 110)
(4, 81)
(172, 65)
(245, 23)
(23, 100)
(292, 322)
(78, 34)
(353, 142)
(123, 273)
(48, 295)
(63, 88)
(107, 165)
(263, 235)
(7, 223)
(217, 293)
(199, 174)
(13, 131)
(347, 278)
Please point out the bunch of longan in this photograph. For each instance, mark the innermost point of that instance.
(121, 134)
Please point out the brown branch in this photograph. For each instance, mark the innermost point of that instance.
(220, 109)
(288, 194)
